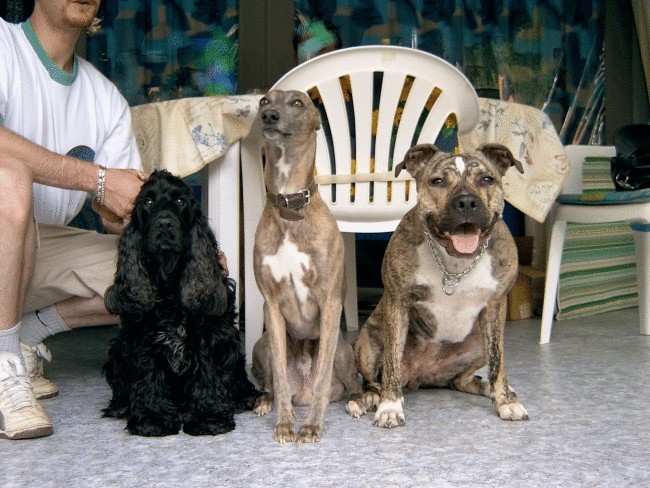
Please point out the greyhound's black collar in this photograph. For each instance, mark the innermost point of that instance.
(291, 204)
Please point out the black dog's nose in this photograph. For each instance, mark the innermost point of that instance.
(270, 116)
(165, 224)
(465, 203)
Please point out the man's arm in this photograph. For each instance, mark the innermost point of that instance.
(52, 169)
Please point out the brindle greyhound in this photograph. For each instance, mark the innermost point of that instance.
(298, 264)
(446, 273)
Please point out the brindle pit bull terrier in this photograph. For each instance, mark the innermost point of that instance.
(298, 264)
(446, 272)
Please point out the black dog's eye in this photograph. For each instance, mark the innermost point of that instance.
(181, 203)
(297, 103)
(437, 181)
(148, 202)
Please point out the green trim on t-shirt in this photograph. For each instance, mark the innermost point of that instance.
(56, 73)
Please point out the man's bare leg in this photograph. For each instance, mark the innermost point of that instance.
(85, 312)
(22, 416)
(17, 242)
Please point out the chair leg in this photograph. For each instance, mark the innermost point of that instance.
(220, 187)
(642, 244)
(350, 305)
(552, 279)
(253, 201)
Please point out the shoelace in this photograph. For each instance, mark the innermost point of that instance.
(43, 352)
(40, 351)
(15, 392)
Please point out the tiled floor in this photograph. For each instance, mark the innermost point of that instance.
(587, 394)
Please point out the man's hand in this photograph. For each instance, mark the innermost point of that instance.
(223, 264)
(111, 222)
(121, 188)
(122, 198)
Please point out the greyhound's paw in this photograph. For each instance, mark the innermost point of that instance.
(309, 433)
(355, 407)
(284, 432)
(263, 404)
(390, 414)
(512, 411)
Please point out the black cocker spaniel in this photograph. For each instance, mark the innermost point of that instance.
(176, 360)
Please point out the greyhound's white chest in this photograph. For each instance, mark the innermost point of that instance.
(283, 168)
(291, 264)
(455, 314)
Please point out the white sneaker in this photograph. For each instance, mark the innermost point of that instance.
(21, 416)
(34, 356)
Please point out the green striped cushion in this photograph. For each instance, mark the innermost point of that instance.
(598, 187)
(598, 271)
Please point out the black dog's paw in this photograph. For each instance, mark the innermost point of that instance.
(115, 410)
(209, 426)
(247, 400)
(153, 427)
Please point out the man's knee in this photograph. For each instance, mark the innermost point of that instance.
(15, 195)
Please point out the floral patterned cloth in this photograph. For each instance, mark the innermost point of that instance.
(184, 135)
(531, 137)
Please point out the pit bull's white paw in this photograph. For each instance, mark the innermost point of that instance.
(355, 408)
(390, 414)
(512, 411)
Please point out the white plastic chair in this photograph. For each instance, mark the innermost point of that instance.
(631, 207)
(375, 102)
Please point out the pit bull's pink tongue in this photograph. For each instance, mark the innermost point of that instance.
(465, 243)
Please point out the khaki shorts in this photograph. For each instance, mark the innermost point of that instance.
(70, 262)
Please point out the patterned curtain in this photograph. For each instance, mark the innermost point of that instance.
(16, 10)
(544, 53)
(641, 10)
(163, 49)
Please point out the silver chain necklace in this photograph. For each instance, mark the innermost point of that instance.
(451, 280)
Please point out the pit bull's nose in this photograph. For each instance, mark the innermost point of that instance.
(270, 116)
(466, 204)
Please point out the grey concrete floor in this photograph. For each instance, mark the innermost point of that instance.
(587, 394)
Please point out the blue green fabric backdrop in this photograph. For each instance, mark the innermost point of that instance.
(162, 49)
(545, 53)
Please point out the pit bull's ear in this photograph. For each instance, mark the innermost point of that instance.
(501, 156)
(416, 158)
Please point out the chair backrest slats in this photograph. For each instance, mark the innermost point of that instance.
(375, 103)
(363, 137)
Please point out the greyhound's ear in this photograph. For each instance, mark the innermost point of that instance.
(501, 156)
(315, 119)
(317, 124)
(416, 158)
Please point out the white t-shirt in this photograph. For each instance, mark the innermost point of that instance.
(60, 111)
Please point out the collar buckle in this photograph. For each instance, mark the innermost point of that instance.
(306, 194)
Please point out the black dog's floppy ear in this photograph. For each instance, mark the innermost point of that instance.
(416, 158)
(202, 289)
(132, 292)
(501, 156)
